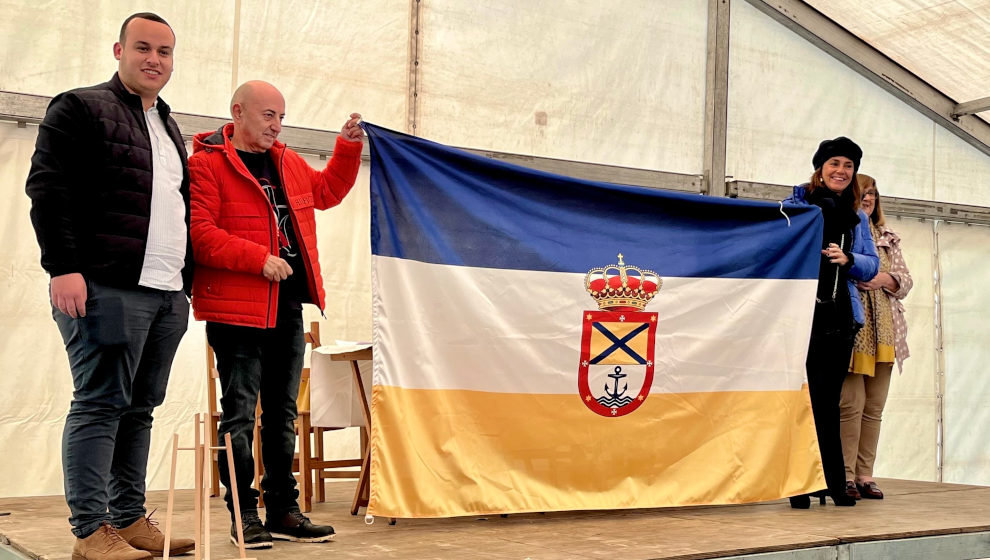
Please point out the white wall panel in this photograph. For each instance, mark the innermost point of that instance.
(786, 96)
(36, 384)
(909, 431)
(50, 47)
(608, 82)
(344, 240)
(329, 58)
(962, 172)
(965, 301)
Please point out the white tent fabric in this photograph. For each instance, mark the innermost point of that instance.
(582, 81)
(909, 432)
(966, 385)
(64, 45)
(620, 83)
(327, 58)
(961, 172)
(35, 384)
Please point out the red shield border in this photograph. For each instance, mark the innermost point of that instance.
(590, 317)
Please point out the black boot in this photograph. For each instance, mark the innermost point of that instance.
(292, 525)
(255, 534)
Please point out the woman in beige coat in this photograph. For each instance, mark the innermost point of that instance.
(879, 344)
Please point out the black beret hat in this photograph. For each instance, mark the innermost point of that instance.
(840, 146)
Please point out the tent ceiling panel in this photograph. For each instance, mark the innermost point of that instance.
(946, 43)
(63, 45)
(617, 83)
(329, 59)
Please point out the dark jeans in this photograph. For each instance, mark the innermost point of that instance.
(828, 364)
(253, 361)
(120, 355)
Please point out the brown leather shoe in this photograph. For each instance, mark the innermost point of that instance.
(143, 534)
(870, 490)
(851, 490)
(106, 544)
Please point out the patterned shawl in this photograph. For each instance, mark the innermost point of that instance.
(875, 341)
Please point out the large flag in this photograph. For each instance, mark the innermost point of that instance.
(546, 343)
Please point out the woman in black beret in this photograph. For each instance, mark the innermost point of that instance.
(847, 256)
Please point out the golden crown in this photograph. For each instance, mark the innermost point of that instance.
(618, 287)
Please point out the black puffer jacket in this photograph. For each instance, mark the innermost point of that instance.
(90, 185)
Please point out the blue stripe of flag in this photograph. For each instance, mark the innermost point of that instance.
(435, 204)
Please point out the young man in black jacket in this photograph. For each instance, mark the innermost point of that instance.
(109, 190)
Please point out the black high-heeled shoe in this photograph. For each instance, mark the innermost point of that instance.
(820, 495)
(800, 502)
(840, 498)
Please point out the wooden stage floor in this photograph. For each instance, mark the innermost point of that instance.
(38, 527)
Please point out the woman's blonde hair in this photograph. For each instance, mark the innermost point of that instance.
(855, 189)
(865, 182)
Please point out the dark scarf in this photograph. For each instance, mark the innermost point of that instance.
(841, 220)
(837, 209)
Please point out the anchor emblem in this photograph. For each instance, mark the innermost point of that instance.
(617, 375)
(615, 398)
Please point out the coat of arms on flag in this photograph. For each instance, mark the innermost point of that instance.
(618, 341)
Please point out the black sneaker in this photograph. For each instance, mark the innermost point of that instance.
(255, 534)
(294, 526)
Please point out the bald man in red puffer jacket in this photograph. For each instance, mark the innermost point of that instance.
(253, 233)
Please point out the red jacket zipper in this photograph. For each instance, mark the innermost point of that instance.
(272, 240)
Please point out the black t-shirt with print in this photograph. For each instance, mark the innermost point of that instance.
(292, 291)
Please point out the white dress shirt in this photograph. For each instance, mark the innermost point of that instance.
(165, 253)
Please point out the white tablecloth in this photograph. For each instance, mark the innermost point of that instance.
(334, 401)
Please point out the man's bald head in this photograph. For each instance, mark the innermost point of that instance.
(257, 108)
(255, 90)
